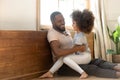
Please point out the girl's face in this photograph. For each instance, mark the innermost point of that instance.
(74, 25)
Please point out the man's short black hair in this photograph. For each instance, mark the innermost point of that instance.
(52, 16)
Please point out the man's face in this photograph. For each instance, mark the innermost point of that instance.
(59, 23)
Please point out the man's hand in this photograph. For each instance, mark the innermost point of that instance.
(58, 51)
(80, 48)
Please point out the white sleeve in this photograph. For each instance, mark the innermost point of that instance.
(51, 36)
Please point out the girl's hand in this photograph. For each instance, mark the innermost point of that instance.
(80, 48)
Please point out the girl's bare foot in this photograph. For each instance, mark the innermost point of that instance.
(83, 75)
(47, 75)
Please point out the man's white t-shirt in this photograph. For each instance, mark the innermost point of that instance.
(66, 41)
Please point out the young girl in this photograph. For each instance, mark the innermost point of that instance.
(82, 23)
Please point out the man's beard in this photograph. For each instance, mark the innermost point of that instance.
(59, 29)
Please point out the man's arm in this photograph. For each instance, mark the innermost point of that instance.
(55, 46)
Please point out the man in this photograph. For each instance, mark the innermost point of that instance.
(61, 44)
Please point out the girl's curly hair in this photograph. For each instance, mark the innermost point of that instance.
(84, 20)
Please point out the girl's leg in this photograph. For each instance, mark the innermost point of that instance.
(54, 68)
(75, 67)
(83, 58)
(57, 65)
(72, 61)
(72, 64)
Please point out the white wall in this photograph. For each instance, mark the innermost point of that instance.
(21, 14)
(17, 14)
(112, 12)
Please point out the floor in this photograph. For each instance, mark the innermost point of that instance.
(76, 78)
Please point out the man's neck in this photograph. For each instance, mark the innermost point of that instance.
(62, 32)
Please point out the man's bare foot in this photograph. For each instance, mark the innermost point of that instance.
(117, 67)
(47, 75)
(83, 75)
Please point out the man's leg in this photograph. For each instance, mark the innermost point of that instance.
(110, 65)
(105, 64)
(91, 70)
(100, 72)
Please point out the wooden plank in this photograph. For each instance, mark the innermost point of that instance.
(90, 39)
(23, 52)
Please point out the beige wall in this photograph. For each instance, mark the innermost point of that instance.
(21, 14)
(112, 12)
(17, 14)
